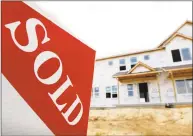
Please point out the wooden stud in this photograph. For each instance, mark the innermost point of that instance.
(174, 87)
(157, 79)
(118, 95)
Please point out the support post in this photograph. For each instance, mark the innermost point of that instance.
(118, 95)
(158, 87)
(173, 83)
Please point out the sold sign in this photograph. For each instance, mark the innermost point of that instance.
(48, 67)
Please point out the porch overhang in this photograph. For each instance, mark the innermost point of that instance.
(137, 77)
(180, 73)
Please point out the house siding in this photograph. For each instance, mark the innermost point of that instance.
(103, 75)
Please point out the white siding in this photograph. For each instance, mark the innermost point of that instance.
(177, 43)
(140, 69)
(186, 30)
(162, 58)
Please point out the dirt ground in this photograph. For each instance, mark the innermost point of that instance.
(137, 121)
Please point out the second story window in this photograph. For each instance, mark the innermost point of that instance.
(176, 55)
(183, 55)
(122, 61)
(146, 57)
(186, 54)
(122, 66)
(133, 61)
(110, 63)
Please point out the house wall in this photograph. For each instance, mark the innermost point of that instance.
(162, 58)
(140, 69)
(186, 30)
(177, 43)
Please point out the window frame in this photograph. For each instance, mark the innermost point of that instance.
(108, 91)
(122, 66)
(179, 55)
(114, 92)
(120, 62)
(186, 88)
(133, 62)
(109, 62)
(98, 92)
(130, 90)
(144, 57)
(182, 55)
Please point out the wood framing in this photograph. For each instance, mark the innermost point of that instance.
(174, 33)
(173, 84)
(151, 73)
(118, 95)
(157, 79)
(174, 36)
(141, 64)
(136, 80)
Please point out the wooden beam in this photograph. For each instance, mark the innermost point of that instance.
(181, 75)
(180, 69)
(174, 87)
(118, 95)
(137, 79)
(139, 74)
(158, 88)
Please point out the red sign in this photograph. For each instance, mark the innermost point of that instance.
(48, 67)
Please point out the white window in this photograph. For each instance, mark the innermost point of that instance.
(122, 61)
(111, 93)
(176, 55)
(186, 54)
(183, 54)
(184, 86)
(110, 63)
(146, 57)
(189, 85)
(108, 92)
(114, 91)
(96, 92)
(130, 89)
(133, 61)
(122, 66)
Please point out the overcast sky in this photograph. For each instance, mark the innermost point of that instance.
(114, 27)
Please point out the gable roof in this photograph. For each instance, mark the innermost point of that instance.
(140, 64)
(175, 33)
(132, 53)
(174, 36)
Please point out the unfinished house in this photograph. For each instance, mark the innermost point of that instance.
(160, 75)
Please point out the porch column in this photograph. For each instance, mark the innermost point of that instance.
(118, 91)
(173, 83)
(157, 79)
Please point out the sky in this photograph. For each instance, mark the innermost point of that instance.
(113, 27)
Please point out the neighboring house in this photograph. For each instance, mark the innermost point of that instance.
(160, 75)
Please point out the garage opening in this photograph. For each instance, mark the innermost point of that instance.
(143, 90)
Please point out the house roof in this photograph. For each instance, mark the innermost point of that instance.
(177, 67)
(141, 64)
(158, 69)
(174, 33)
(132, 53)
(160, 47)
